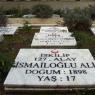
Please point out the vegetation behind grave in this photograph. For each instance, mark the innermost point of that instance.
(58, 12)
(42, 11)
(77, 19)
(3, 19)
(14, 12)
(5, 65)
(91, 10)
(26, 27)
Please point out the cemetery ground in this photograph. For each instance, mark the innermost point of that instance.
(22, 39)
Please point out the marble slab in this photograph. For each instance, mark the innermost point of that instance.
(54, 42)
(54, 29)
(8, 30)
(93, 30)
(53, 39)
(52, 68)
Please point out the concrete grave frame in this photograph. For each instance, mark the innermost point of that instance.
(18, 80)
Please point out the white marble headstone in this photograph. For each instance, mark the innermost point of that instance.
(53, 35)
(53, 39)
(52, 67)
(8, 30)
(54, 42)
(54, 29)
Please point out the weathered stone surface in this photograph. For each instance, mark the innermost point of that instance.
(52, 67)
(54, 29)
(53, 39)
(8, 30)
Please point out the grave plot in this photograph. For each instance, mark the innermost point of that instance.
(93, 30)
(53, 29)
(51, 69)
(53, 39)
(8, 30)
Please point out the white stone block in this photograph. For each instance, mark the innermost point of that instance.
(8, 30)
(53, 39)
(53, 29)
(52, 67)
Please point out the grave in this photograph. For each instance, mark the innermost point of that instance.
(8, 30)
(93, 30)
(53, 29)
(53, 39)
(51, 69)
(53, 36)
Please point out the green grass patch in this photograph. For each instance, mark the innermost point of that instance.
(85, 40)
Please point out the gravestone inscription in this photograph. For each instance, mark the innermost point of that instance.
(53, 39)
(52, 68)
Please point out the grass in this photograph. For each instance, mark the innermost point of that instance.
(11, 45)
(85, 40)
(9, 49)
